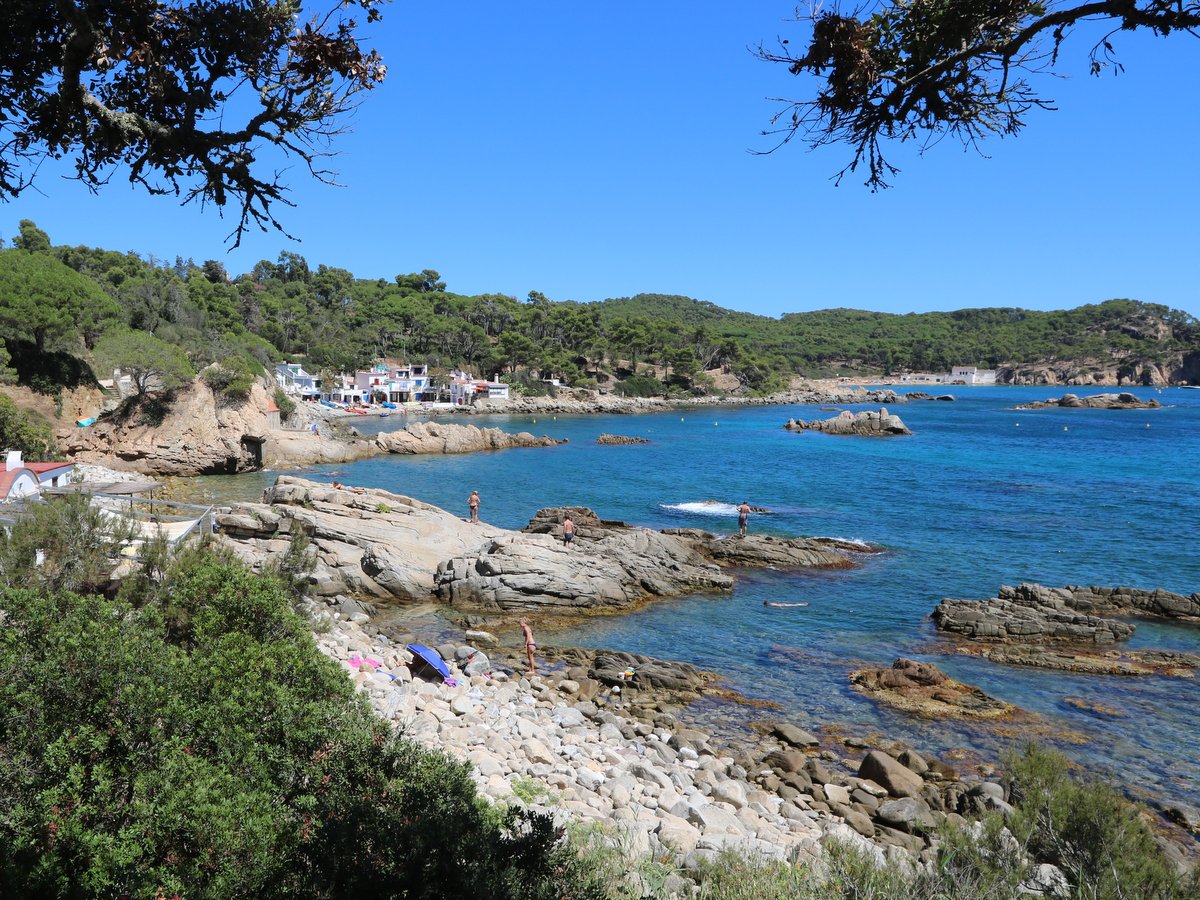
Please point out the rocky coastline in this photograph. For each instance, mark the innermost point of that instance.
(387, 546)
(602, 737)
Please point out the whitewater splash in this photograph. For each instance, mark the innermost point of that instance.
(703, 508)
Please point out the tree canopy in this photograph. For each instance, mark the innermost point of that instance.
(150, 363)
(922, 69)
(45, 301)
(195, 98)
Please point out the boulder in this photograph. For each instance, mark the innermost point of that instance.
(909, 814)
(891, 775)
(619, 439)
(862, 424)
(1123, 400)
(794, 736)
(438, 437)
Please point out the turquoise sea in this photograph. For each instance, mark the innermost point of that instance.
(981, 495)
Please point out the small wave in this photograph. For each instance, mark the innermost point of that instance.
(702, 508)
(858, 542)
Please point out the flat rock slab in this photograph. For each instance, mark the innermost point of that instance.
(435, 437)
(925, 690)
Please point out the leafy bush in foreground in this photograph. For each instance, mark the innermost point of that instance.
(200, 745)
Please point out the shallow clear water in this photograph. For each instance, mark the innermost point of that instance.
(980, 496)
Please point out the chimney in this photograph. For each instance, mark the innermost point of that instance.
(13, 461)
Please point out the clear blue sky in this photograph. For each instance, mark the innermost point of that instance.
(600, 150)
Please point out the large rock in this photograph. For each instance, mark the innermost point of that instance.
(924, 689)
(435, 437)
(864, 424)
(380, 544)
(891, 775)
(198, 433)
(536, 571)
(761, 550)
(1030, 614)
(1123, 400)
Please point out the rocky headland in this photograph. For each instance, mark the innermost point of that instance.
(863, 424)
(382, 545)
(1123, 400)
(1070, 628)
(199, 433)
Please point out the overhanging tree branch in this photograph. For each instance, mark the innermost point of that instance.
(146, 87)
(909, 68)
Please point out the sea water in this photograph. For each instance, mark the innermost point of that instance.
(979, 496)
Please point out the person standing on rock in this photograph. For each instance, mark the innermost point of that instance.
(473, 506)
(743, 518)
(530, 646)
(568, 531)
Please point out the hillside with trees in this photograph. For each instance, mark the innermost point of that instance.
(65, 309)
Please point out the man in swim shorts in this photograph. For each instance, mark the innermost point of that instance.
(530, 646)
(743, 518)
(568, 531)
(473, 507)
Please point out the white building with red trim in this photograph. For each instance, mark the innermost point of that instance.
(22, 479)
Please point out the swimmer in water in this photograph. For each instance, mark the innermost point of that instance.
(772, 603)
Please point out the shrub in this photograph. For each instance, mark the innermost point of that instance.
(200, 745)
(287, 406)
(231, 379)
(25, 431)
(641, 386)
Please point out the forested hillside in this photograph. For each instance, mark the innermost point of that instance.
(104, 306)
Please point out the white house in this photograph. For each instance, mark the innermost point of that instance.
(973, 375)
(21, 479)
(294, 380)
(465, 389)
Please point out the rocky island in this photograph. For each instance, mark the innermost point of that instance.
(864, 424)
(1123, 400)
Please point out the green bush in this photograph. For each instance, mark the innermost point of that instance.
(641, 386)
(190, 739)
(287, 406)
(231, 379)
(25, 431)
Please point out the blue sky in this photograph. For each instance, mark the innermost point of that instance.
(601, 150)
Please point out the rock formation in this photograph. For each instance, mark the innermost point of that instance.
(1123, 400)
(924, 689)
(1069, 628)
(866, 424)
(618, 439)
(752, 551)
(434, 437)
(384, 545)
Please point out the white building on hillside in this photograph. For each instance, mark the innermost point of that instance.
(972, 375)
(294, 380)
(465, 389)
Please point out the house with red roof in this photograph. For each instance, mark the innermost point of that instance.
(20, 479)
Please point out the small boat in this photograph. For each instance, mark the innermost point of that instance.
(386, 405)
(86, 423)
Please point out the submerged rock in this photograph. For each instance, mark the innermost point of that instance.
(617, 439)
(864, 424)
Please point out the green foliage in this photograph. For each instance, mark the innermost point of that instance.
(641, 386)
(152, 364)
(199, 744)
(286, 405)
(42, 300)
(333, 321)
(231, 379)
(25, 431)
(1093, 834)
(78, 542)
